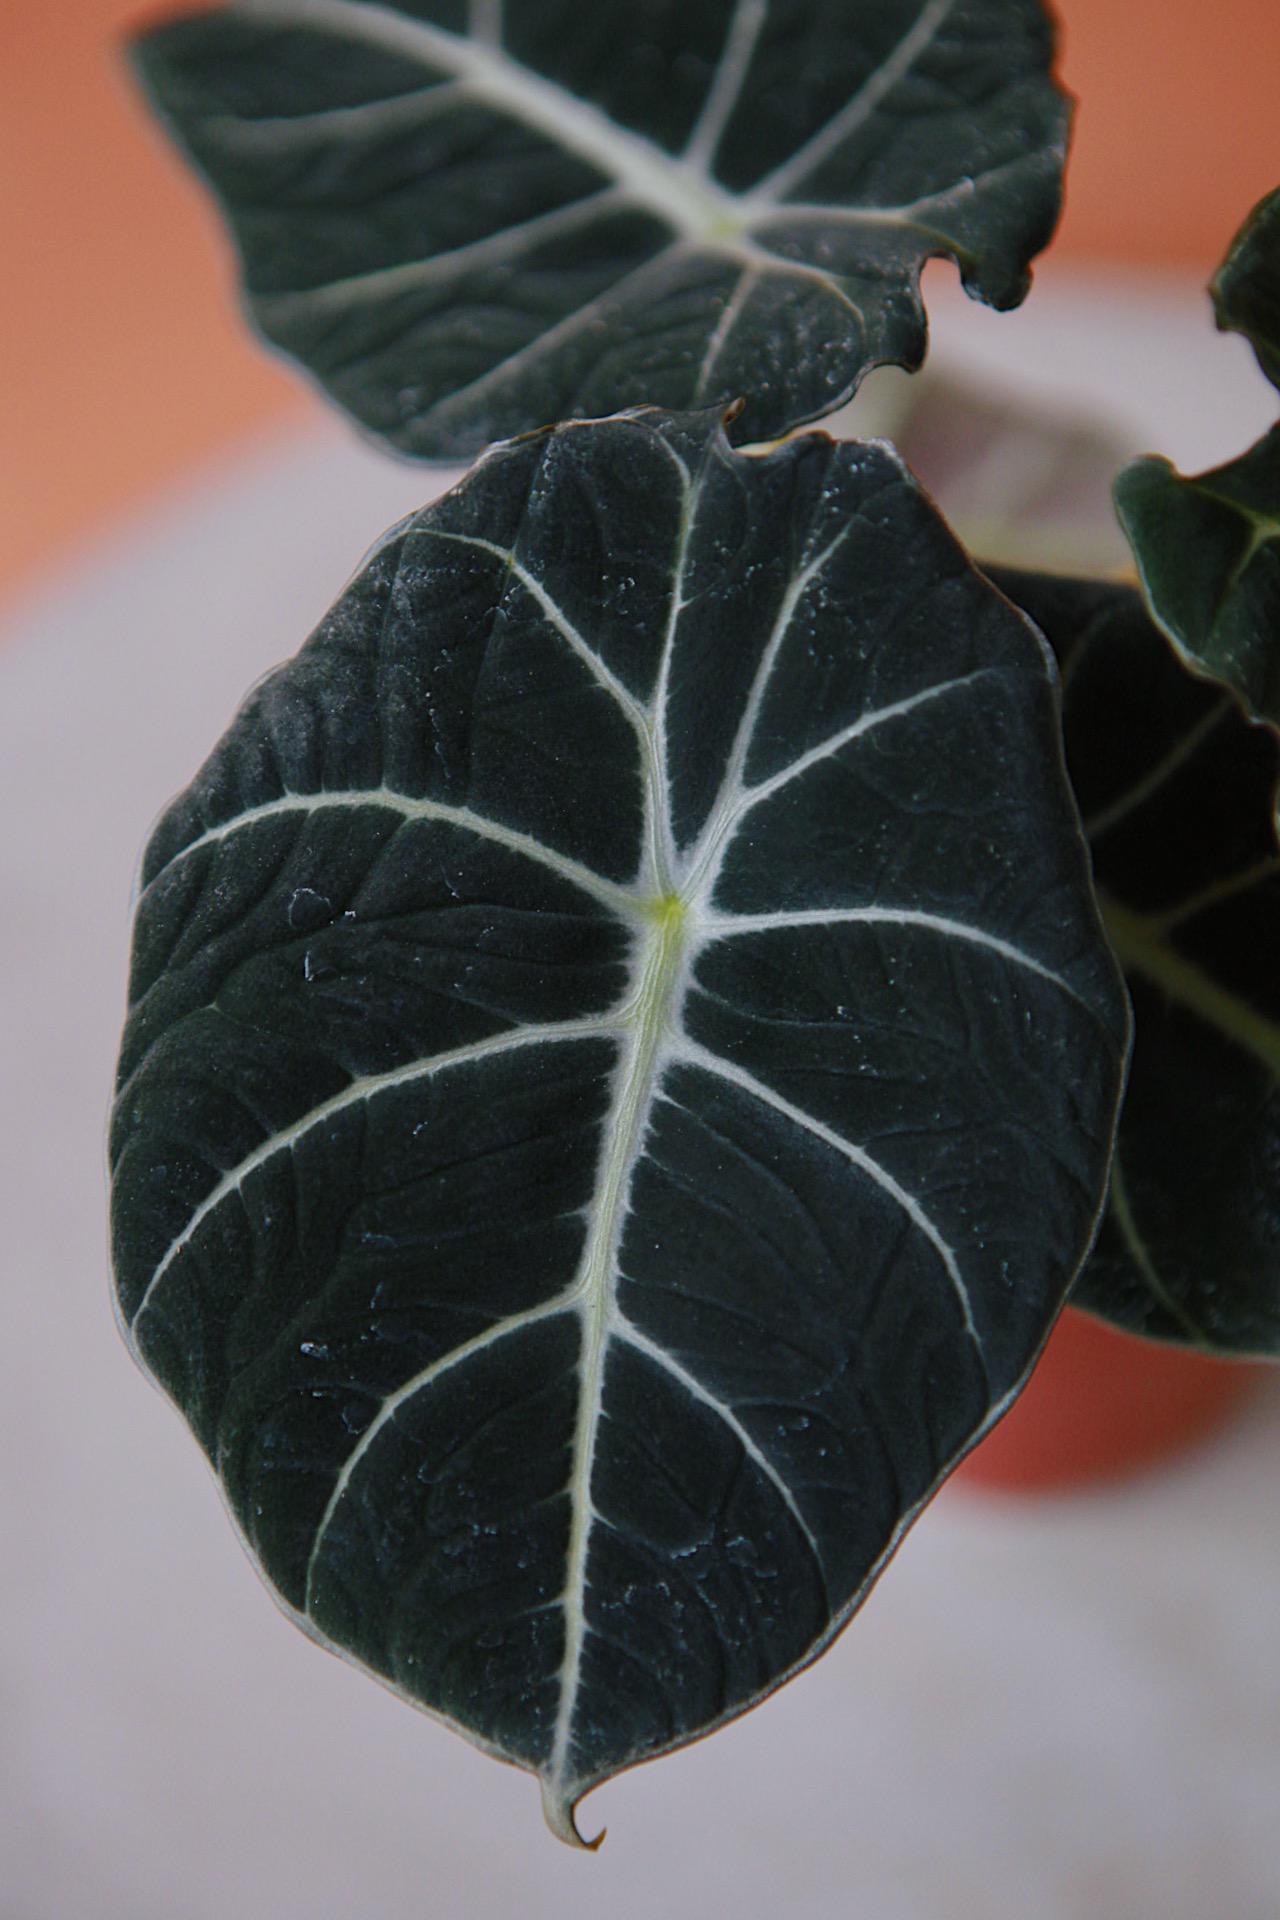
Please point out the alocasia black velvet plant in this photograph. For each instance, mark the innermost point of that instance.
(626, 1031)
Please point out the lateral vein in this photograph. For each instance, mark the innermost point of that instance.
(725, 90)
(722, 926)
(685, 197)
(693, 1053)
(366, 1088)
(466, 1350)
(1140, 1254)
(560, 620)
(736, 800)
(500, 246)
(805, 161)
(629, 1334)
(1142, 948)
(731, 787)
(621, 900)
(1104, 818)
(824, 750)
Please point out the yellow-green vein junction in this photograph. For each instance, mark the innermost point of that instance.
(672, 914)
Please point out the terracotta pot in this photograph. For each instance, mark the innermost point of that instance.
(1102, 1404)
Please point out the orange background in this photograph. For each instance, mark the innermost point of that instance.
(123, 359)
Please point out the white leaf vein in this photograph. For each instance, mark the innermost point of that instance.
(366, 1088)
(418, 1383)
(646, 1022)
(620, 900)
(690, 1052)
(1140, 1253)
(635, 712)
(680, 190)
(853, 116)
(731, 787)
(629, 1334)
(1134, 797)
(747, 797)
(663, 834)
(485, 21)
(283, 133)
(745, 26)
(683, 195)
(730, 314)
(582, 319)
(502, 246)
(637, 1080)
(722, 926)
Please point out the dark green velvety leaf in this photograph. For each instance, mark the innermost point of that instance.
(1208, 553)
(1208, 547)
(620, 1075)
(1178, 793)
(1246, 287)
(470, 220)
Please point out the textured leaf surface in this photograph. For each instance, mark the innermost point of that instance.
(1208, 553)
(619, 1077)
(469, 220)
(1178, 793)
(1208, 547)
(1246, 287)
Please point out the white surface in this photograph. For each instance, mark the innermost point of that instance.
(1064, 1711)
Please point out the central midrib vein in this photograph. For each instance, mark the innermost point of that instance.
(658, 965)
(686, 197)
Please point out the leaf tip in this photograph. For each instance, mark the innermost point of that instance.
(558, 1810)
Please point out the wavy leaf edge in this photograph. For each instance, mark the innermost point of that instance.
(672, 921)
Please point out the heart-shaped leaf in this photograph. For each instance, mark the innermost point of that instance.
(620, 1075)
(1208, 547)
(469, 220)
(1178, 792)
